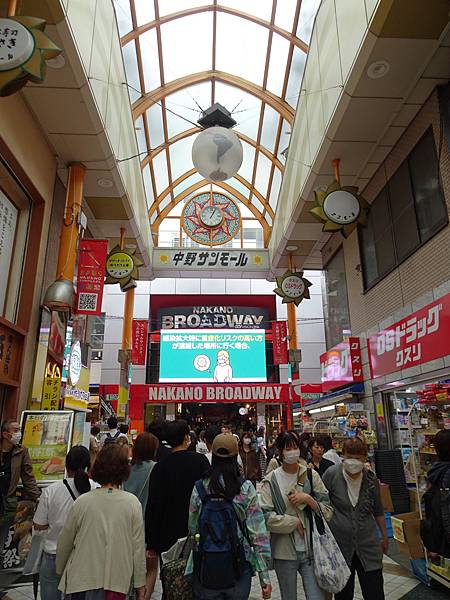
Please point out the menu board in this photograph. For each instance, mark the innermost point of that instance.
(8, 222)
(47, 435)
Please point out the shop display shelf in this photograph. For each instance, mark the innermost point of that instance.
(439, 574)
(427, 451)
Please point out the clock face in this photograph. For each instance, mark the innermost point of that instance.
(119, 265)
(211, 216)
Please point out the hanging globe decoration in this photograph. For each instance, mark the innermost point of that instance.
(217, 153)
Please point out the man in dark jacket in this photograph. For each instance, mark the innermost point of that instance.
(171, 484)
(15, 465)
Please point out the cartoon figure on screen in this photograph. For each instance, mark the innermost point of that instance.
(223, 373)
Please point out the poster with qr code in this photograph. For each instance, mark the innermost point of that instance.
(91, 274)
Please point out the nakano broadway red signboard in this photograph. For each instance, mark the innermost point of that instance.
(422, 336)
(342, 365)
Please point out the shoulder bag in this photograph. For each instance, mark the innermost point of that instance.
(330, 567)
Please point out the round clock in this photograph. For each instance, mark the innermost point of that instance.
(211, 218)
(119, 265)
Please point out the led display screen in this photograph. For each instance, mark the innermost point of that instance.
(209, 355)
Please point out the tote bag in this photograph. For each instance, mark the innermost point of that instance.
(330, 567)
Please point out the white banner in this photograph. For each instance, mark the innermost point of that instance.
(200, 259)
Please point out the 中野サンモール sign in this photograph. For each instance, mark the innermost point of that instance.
(219, 260)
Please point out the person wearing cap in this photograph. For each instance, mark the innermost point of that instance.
(225, 479)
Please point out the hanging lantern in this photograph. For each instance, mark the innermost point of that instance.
(217, 151)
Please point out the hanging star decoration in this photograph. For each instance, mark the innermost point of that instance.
(340, 208)
(122, 267)
(293, 287)
(211, 218)
(24, 48)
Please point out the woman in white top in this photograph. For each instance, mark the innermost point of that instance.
(51, 514)
(101, 548)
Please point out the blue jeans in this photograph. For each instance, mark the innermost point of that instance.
(287, 570)
(48, 578)
(240, 591)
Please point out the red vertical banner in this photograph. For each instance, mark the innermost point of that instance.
(91, 276)
(140, 337)
(279, 341)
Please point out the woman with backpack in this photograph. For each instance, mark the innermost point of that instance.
(231, 539)
(288, 495)
(51, 514)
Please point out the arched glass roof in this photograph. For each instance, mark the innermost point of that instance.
(182, 56)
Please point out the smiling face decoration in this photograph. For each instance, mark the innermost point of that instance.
(340, 209)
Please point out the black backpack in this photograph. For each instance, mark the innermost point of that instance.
(435, 528)
(219, 558)
(111, 439)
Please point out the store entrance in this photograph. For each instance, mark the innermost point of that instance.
(240, 416)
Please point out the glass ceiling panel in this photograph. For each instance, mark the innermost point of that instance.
(186, 183)
(240, 187)
(246, 170)
(149, 57)
(148, 185)
(245, 107)
(131, 70)
(165, 202)
(161, 175)
(260, 8)
(295, 77)
(140, 135)
(308, 12)
(184, 103)
(180, 157)
(123, 16)
(284, 17)
(257, 204)
(241, 47)
(155, 125)
(275, 191)
(262, 174)
(167, 7)
(277, 66)
(145, 11)
(246, 213)
(187, 45)
(176, 211)
(270, 128)
(285, 137)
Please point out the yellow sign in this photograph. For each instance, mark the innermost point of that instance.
(122, 266)
(50, 394)
(380, 411)
(77, 397)
(122, 402)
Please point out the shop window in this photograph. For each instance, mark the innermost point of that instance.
(408, 211)
(337, 314)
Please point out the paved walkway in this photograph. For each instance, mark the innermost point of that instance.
(398, 582)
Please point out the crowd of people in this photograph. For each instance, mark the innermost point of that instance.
(243, 509)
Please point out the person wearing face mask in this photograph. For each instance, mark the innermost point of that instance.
(358, 512)
(286, 498)
(15, 465)
(251, 465)
(170, 489)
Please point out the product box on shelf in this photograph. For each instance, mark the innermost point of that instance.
(386, 498)
(406, 529)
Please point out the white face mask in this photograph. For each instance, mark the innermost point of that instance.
(290, 457)
(16, 438)
(353, 465)
(247, 441)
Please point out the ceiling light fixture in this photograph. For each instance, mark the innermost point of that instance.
(291, 248)
(104, 182)
(378, 69)
(217, 151)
